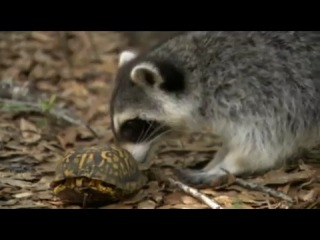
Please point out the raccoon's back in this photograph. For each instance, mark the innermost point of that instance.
(260, 73)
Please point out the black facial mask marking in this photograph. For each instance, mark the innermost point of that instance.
(139, 130)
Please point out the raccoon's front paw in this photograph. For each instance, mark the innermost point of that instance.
(201, 178)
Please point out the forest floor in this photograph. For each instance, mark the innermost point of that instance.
(75, 71)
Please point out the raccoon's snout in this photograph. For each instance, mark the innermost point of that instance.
(138, 130)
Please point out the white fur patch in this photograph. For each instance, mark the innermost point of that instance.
(120, 118)
(126, 56)
(139, 150)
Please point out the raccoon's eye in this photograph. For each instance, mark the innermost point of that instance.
(133, 130)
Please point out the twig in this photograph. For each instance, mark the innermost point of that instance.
(195, 193)
(258, 187)
(261, 188)
(18, 106)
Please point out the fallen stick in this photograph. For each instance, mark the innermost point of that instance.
(196, 194)
(261, 188)
(19, 106)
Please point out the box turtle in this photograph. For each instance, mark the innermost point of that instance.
(97, 175)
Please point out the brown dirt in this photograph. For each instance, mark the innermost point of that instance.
(78, 69)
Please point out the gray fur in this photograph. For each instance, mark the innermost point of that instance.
(259, 91)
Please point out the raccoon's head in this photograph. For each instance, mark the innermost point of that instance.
(148, 103)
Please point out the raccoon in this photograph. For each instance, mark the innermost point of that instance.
(258, 91)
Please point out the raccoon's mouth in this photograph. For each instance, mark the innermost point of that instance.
(137, 130)
(140, 136)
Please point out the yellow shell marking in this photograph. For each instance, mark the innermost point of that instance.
(120, 152)
(68, 173)
(79, 182)
(59, 188)
(66, 158)
(101, 163)
(90, 157)
(73, 183)
(107, 156)
(83, 159)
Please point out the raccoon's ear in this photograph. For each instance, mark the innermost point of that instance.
(126, 56)
(146, 74)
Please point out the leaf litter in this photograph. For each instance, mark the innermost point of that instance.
(77, 70)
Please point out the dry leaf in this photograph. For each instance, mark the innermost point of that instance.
(30, 133)
(68, 137)
(157, 197)
(209, 192)
(11, 154)
(17, 183)
(285, 189)
(42, 58)
(189, 200)
(74, 89)
(27, 176)
(37, 72)
(225, 201)
(23, 195)
(189, 206)
(73, 207)
(24, 64)
(307, 195)
(280, 177)
(46, 195)
(85, 134)
(174, 198)
(46, 168)
(10, 202)
(46, 86)
(41, 36)
(117, 206)
(5, 174)
(40, 156)
(148, 204)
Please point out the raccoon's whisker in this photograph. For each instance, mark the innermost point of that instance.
(152, 133)
(156, 130)
(160, 135)
(142, 135)
(150, 126)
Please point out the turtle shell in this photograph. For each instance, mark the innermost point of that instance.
(111, 166)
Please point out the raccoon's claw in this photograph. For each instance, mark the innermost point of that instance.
(200, 178)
